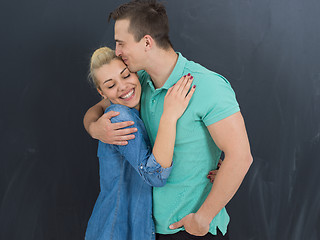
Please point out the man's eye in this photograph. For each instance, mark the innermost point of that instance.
(111, 86)
(127, 76)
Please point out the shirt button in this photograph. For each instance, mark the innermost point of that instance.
(153, 233)
(153, 101)
(141, 167)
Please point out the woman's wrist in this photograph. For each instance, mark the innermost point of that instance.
(168, 118)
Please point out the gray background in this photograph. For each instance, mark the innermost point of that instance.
(268, 50)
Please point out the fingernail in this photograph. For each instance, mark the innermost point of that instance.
(188, 74)
(194, 86)
(191, 78)
(184, 76)
(171, 226)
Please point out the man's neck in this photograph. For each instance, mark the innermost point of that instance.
(161, 66)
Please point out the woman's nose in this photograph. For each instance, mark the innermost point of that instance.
(122, 86)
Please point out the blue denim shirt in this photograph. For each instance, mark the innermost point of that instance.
(123, 210)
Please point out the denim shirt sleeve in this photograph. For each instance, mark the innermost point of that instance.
(138, 151)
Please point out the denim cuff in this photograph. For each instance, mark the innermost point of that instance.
(153, 166)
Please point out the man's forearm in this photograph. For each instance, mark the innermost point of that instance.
(226, 183)
(94, 113)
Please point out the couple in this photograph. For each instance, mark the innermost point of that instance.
(188, 205)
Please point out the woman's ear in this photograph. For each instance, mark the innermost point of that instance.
(101, 93)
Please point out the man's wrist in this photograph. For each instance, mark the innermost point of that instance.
(204, 217)
(91, 130)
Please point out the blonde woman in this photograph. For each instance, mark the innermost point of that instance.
(123, 209)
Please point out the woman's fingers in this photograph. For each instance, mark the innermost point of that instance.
(186, 86)
(170, 90)
(219, 163)
(212, 175)
(178, 84)
(189, 95)
(182, 86)
(183, 83)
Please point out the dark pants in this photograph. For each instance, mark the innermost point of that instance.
(183, 235)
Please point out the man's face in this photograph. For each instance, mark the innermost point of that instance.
(131, 52)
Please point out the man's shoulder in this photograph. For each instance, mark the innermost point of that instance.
(211, 86)
(206, 75)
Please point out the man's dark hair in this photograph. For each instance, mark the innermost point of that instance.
(147, 17)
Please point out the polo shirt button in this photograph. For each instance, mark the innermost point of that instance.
(153, 101)
(141, 167)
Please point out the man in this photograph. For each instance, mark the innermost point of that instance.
(188, 205)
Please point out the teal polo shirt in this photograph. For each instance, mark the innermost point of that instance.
(195, 153)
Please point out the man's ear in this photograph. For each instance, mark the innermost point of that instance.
(101, 93)
(149, 42)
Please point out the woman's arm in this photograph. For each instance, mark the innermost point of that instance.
(138, 151)
(175, 103)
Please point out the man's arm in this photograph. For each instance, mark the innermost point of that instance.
(99, 126)
(230, 136)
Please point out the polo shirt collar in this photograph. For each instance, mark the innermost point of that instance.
(175, 75)
(177, 72)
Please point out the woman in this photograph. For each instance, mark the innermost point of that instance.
(123, 209)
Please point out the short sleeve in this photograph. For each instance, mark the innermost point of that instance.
(216, 99)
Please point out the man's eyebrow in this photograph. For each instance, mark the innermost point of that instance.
(123, 70)
(117, 40)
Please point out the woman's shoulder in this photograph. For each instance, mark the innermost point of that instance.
(126, 113)
(118, 108)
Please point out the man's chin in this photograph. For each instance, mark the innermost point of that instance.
(132, 69)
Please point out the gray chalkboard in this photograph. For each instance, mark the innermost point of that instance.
(268, 50)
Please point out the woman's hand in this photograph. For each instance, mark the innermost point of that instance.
(212, 174)
(178, 97)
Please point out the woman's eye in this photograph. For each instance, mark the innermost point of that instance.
(126, 76)
(111, 86)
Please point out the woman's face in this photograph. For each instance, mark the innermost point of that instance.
(118, 84)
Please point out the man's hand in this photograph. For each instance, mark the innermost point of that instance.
(193, 224)
(111, 133)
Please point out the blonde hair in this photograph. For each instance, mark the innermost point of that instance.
(100, 57)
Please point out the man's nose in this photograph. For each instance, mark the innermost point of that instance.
(118, 52)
